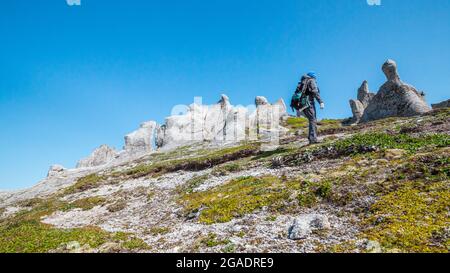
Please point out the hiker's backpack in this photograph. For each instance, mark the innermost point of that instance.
(300, 101)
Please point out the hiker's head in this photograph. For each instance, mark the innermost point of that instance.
(312, 75)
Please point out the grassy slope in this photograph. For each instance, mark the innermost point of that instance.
(401, 165)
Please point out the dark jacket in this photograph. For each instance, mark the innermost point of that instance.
(311, 90)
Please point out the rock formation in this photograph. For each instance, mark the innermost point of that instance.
(221, 122)
(141, 140)
(102, 155)
(440, 105)
(394, 99)
(359, 105)
(56, 170)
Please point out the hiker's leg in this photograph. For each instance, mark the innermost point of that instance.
(311, 116)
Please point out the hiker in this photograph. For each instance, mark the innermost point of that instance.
(303, 102)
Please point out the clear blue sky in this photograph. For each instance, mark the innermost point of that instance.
(75, 77)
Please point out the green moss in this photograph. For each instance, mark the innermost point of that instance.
(35, 237)
(159, 230)
(400, 141)
(295, 123)
(88, 203)
(247, 194)
(211, 240)
(226, 169)
(133, 243)
(411, 218)
(236, 198)
(324, 189)
(24, 233)
(85, 183)
(211, 159)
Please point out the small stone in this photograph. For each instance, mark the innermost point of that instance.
(304, 225)
(373, 247)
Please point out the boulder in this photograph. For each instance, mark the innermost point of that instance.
(441, 105)
(100, 156)
(395, 98)
(141, 140)
(304, 225)
(56, 170)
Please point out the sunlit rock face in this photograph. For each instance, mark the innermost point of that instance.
(141, 140)
(394, 98)
(440, 105)
(100, 156)
(359, 105)
(220, 123)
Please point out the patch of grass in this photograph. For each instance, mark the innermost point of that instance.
(35, 237)
(247, 194)
(366, 143)
(24, 233)
(159, 230)
(199, 163)
(211, 240)
(387, 141)
(412, 218)
(236, 198)
(88, 203)
(226, 169)
(296, 123)
(324, 189)
(85, 183)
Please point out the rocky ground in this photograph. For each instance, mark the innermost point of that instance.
(381, 186)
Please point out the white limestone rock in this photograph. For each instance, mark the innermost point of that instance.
(100, 156)
(305, 224)
(56, 170)
(221, 123)
(141, 140)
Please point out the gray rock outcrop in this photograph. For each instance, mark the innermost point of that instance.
(304, 225)
(141, 140)
(394, 99)
(221, 123)
(55, 171)
(359, 105)
(100, 156)
(440, 105)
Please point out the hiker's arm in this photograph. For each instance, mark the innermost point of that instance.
(315, 91)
